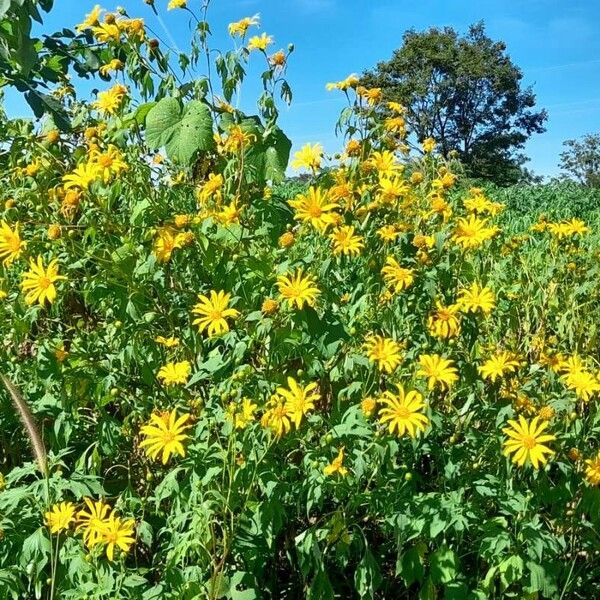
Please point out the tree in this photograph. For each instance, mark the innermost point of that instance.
(465, 92)
(581, 159)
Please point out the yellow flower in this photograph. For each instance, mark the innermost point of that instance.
(368, 406)
(336, 466)
(477, 298)
(176, 4)
(315, 208)
(298, 399)
(444, 322)
(241, 27)
(308, 157)
(269, 306)
(92, 521)
(388, 233)
(498, 365)
(428, 145)
(212, 312)
(582, 382)
(167, 239)
(109, 163)
(173, 373)
(297, 289)
(546, 413)
(396, 277)
(107, 32)
(244, 415)
(384, 163)
(110, 100)
(165, 433)
(391, 189)
(286, 239)
(345, 241)
(526, 443)
(438, 371)
(60, 516)
(403, 412)
(114, 65)
(350, 82)
(11, 245)
(276, 417)
(83, 176)
(592, 471)
(117, 533)
(38, 282)
(91, 19)
(211, 187)
(54, 231)
(170, 342)
(385, 352)
(260, 42)
(471, 232)
(371, 95)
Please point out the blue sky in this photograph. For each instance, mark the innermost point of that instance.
(556, 43)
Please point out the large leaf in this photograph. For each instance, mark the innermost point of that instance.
(277, 155)
(182, 131)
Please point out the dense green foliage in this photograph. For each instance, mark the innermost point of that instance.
(466, 93)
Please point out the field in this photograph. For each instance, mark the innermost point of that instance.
(220, 382)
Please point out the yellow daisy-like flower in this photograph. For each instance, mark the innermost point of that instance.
(213, 312)
(477, 298)
(167, 342)
(298, 289)
(165, 434)
(438, 371)
(388, 233)
(11, 245)
(498, 366)
(82, 176)
(345, 241)
(336, 466)
(117, 533)
(38, 282)
(91, 19)
(428, 145)
(308, 157)
(471, 232)
(526, 443)
(277, 416)
(92, 521)
(166, 241)
(368, 406)
(110, 163)
(582, 382)
(174, 373)
(384, 163)
(592, 470)
(241, 27)
(111, 67)
(315, 207)
(173, 4)
(403, 412)
(110, 100)
(260, 42)
(60, 516)
(396, 277)
(444, 322)
(242, 415)
(384, 352)
(298, 399)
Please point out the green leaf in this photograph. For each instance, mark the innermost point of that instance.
(183, 131)
(277, 155)
(367, 577)
(411, 566)
(444, 565)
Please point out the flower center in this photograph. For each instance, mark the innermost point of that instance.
(402, 412)
(529, 442)
(215, 315)
(44, 283)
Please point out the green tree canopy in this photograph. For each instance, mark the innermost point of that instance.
(581, 159)
(466, 93)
